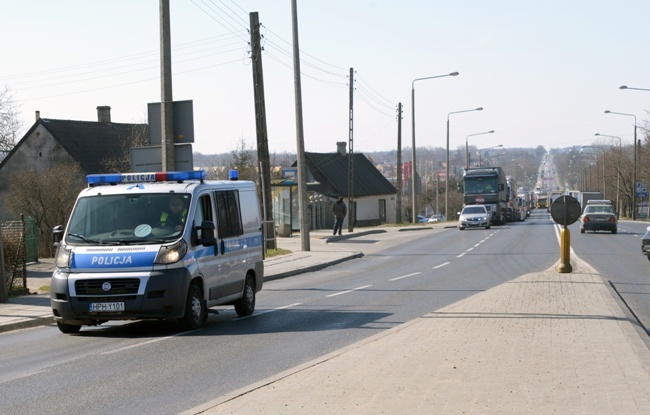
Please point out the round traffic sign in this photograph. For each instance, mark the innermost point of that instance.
(565, 210)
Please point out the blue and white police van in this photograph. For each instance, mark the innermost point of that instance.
(165, 245)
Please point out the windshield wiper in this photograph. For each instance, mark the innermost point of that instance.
(140, 241)
(90, 241)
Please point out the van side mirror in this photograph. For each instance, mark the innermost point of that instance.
(205, 233)
(57, 234)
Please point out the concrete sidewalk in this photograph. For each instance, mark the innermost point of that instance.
(545, 343)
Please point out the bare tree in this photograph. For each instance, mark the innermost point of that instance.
(10, 125)
(139, 137)
(244, 160)
(46, 196)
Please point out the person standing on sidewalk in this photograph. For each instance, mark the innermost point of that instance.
(339, 210)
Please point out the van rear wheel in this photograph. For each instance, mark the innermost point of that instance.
(246, 304)
(195, 311)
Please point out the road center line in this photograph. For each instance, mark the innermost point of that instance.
(441, 265)
(405, 276)
(348, 291)
(269, 311)
(133, 346)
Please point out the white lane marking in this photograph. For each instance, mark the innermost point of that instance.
(405, 276)
(348, 291)
(476, 246)
(469, 249)
(269, 311)
(461, 255)
(441, 265)
(133, 346)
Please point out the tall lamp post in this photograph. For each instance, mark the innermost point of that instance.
(467, 146)
(489, 148)
(447, 159)
(413, 170)
(618, 169)
(634, 207)
(629, 87)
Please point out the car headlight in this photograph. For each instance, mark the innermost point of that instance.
(62, 258)
(169, 254)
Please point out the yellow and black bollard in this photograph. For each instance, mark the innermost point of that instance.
(565, 251)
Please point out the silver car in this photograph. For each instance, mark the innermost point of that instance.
(474, 216)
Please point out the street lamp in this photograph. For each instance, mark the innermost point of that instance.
(634, 207)
(413, 195)
(618, 169)
(467, 146)
(447, 159)
(479, 152)
(629, 87)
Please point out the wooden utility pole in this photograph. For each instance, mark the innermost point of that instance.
(4, 296)
(262, 135)
(300, 139)
(398, 216)
(351, 210)
(166, 102)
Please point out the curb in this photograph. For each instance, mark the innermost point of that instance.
(312, 268)
(39, 321)
(352, 235)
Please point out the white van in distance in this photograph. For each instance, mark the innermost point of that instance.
(164, 245)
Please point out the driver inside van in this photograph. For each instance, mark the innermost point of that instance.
(174, 216)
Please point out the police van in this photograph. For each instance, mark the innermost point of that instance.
(165, 245)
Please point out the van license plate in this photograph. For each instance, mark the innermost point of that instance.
(100, 307)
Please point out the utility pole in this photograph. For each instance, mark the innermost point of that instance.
(262, 134)
(166, 104)
(398, 216)
(300, 139)
(351, 210)
(4, 295)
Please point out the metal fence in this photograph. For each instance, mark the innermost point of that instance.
(20, 246)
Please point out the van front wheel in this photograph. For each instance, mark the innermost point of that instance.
(246, 304)
(68, 328)
(195, 311)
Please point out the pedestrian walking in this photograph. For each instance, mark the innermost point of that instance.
(339, 210)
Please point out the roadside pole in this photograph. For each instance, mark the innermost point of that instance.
(4, 297)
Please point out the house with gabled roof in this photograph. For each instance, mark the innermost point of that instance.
(374, 197)
(51, 142)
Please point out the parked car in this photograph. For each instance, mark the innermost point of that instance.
(598, 215)
(473, 216)
(437, 218)
(422, 219)
(645, 243)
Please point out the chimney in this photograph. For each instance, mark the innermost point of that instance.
(340, 147)
(38, 115)
(104, 114)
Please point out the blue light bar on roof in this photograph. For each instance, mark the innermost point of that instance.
(169, 176)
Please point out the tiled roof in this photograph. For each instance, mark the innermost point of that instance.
(331, 171)
(90, 142)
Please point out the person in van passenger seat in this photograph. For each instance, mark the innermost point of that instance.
(174, 217)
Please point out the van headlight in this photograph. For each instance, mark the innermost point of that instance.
(62, 258)
(169, 254)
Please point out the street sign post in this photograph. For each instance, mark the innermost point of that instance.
(565, 210)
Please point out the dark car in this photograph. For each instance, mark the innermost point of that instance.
(598, 215)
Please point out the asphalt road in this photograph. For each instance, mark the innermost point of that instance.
(148, 367)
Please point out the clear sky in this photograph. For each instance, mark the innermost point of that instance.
(544, 71)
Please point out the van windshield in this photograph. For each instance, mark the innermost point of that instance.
(128, 219)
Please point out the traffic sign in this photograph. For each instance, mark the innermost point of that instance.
(565, 210)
